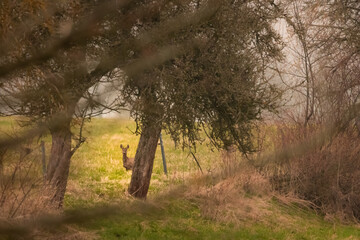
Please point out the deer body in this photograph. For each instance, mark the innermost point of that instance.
(128, 163)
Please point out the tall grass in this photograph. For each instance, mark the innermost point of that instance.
(22, 188)
(327, 176)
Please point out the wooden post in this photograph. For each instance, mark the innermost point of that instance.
(43, 159)
(163, 154)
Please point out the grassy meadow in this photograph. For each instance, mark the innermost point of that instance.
(97, 174)
(229, 200)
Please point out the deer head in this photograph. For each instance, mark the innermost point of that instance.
(124, 149)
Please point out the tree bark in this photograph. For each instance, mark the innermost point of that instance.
(59, 162)
(144, 160)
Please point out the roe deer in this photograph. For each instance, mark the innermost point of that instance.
(128, 163)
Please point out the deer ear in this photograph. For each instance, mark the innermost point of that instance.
(127, 146)
(121, 146)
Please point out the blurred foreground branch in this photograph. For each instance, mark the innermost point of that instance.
(77, 35)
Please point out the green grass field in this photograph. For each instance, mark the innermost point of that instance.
(97, 174)
(226, 202)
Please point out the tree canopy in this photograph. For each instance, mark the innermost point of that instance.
(219, 87)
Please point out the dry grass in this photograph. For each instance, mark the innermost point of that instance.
(327, 176)
(237, 193)
(23, 193)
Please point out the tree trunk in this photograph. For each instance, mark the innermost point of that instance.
(59, 163)
(144, 160)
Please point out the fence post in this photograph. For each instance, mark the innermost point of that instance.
(43, 159)
(163, 154)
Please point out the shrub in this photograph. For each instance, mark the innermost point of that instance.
(328, 177)
(22, 189)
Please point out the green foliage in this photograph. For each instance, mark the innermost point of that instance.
(220, 87)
